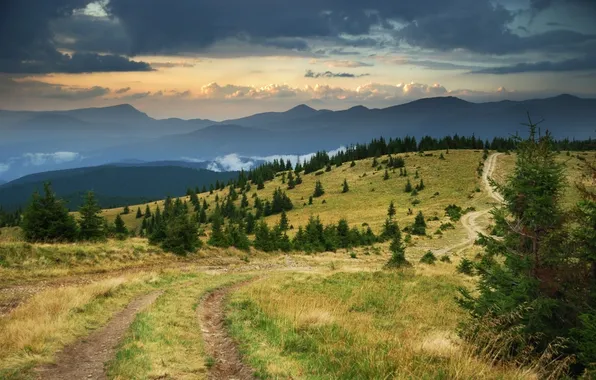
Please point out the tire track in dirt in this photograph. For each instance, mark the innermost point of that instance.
(218, 344)
(469, 220)
(86, 358)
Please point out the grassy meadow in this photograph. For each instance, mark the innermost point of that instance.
(334, 315)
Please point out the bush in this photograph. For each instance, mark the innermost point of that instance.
(445, 259)
(466, 267)
(428, 258)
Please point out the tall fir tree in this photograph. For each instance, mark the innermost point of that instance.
(91, 224)
(46, 219)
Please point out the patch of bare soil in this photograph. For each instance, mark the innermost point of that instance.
(86, 358)
(227, 361)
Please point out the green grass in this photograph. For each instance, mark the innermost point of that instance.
(165, 341)
(356, 326)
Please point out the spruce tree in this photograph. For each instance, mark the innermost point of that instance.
(530, 278)
(345, 188)
(139, 213)
(398, 254)
(91, 224)
(147, 212)
(386, 175)
(353, 164)
(419, 227)
(408, 187)
(181, 235)
(46, 219)
(310, 200)
(120, 228)
(319, 191)
(391, 210)
(283, 222)
(126, 210)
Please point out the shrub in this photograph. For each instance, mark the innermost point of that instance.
(428, 258)
(466, 267)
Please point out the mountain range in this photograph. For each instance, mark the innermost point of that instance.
(114, 185)
(38, 141)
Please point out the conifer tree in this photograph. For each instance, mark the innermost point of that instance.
(202, 216)
(91, 224)
(291, 180)
(398, 254)
(298, 179)
(419, 226)
(391, 210)
(147, 212)
(126, 210)
(46, 219)
(181, 235)
(244, 201)
(120, 228)
(319, 191)
(386, 175)
(283, 222)
(345, 188)
(310, 200)
(139, 213)
(408, 187)
(353, 164)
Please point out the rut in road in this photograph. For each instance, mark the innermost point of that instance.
(86, 358)
(218, 344)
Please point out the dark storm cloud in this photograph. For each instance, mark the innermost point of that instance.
(134, 27)
(480, 26)
(575, 64)
(27, 44)
(78, 63)
(329, 74)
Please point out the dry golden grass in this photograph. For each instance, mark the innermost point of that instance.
(33, 332)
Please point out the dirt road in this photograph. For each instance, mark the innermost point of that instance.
(220, 347)
(86, 358)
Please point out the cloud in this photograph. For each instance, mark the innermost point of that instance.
(122, 90)
(30, 46)
(4, 167)
(36, 89)
(38, 159)
(427, 64)
(230, 162)
(575, 64)
(170, 65)
(347, 64)
(329, 74)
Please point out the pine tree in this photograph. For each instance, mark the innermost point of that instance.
(147, 212)
(419, 226)
(91, 224)
(408, 188)
(126, 210)
(244, 201)
(319, 191)
(291, 180)
(46, 219)
(420, 186)
(218, 237)
(120, 228)
(391, 210)
(181, 235)
(386, 175)
(310, 200)
(139, 213)
(283, 222)
(398, 254)
(346, 188)
(534, 286)
(353, 164)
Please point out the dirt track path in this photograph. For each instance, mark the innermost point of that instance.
(470, 220)
(218, 344)
(86, 358)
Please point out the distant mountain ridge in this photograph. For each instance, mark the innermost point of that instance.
(102, 135)
(114, 185)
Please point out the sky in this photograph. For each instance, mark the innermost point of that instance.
(231, 58)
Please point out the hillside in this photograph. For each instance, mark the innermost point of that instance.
(113, 185)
